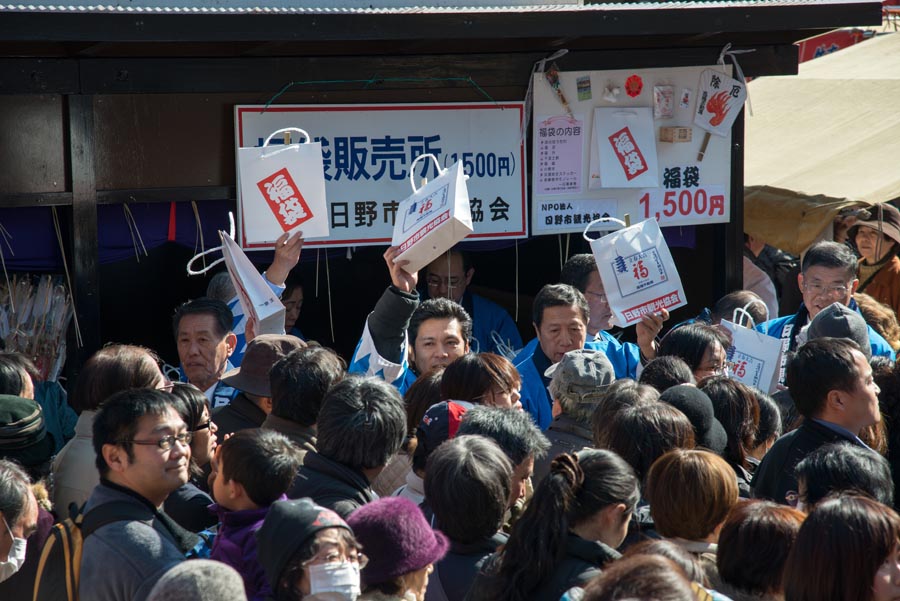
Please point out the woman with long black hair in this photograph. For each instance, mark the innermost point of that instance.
(578, 516)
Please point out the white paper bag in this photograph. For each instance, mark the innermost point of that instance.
(282, 189)
(637, 271)
(434, 218)
(255, 295)
(753, 357)
(626, 147)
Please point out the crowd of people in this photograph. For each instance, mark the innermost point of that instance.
(448, 461)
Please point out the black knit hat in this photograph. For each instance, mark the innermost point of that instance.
(698, 408)
(287, 527)
(23, 436)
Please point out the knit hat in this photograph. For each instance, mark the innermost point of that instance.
(199, 580)
(23, 436)
(262, 353)
(840, 321)
(287, 527)
(396, 538)
(438, 425)
(698, 408)
(582, 373)
(882, 218)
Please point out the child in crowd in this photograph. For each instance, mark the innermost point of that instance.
(253, 469)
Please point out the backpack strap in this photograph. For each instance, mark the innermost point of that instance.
(117, 511)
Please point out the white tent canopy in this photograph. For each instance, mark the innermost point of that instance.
(823, 140)
(834, 129)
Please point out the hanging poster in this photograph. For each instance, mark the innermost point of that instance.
(683, 190)
(719, 100)
(367, 151)
(626, 146)
(560, 149)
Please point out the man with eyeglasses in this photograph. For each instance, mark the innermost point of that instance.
(449, 276)
(143, 452)
(827, 275)
(403, 338)
(580, 272)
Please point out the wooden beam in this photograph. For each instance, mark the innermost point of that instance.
(84, 264)
(128, 75)
(38, 76)
(622, 19)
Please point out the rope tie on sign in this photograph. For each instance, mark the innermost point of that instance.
(318, 253)
(559, 243)
(732, 54)
(135, 232)
(9, 289)
(328, 284)
(539, 67)
(78, 340)
(517, 280)
(377, 80)
(198, 237)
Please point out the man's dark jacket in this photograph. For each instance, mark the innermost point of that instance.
(775, 478)
(331, 484)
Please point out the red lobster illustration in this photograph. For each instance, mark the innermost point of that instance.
(718, 106)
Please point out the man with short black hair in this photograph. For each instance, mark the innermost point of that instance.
(249, 408)
(360, 427)
(300, 381)
(516, 434)
(142, 453)
(560, 315)
(467, 487)
(402, 338)
(580, 272)
(827, 275)
(449, 276)
(19, 512)
(831, 383)
(205, 341)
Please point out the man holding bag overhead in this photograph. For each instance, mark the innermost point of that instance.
(404, 338)
(580, 271)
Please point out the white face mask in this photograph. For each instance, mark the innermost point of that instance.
(334, 581)
(16, 555)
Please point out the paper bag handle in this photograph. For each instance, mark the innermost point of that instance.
(211, 250)
(601, 220)
(281, 131)
(412, 169)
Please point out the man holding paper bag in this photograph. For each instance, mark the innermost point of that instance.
(438, 331)
(581, 272)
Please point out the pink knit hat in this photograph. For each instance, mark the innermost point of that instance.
(396, 538)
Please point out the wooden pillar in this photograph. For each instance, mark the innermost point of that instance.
(84, 260)
(729, 237)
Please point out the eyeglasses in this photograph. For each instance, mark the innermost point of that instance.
(334, 556)
(600, 297)
(819, 289)
(434, 281)
(166, 442)
(203, 426)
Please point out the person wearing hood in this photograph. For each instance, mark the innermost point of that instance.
(877, 238)
(308, 550)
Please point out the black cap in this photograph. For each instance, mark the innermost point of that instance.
(23, 436)
(698, 408)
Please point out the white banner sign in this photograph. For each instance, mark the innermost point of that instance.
(629, 135)
(367, 150)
